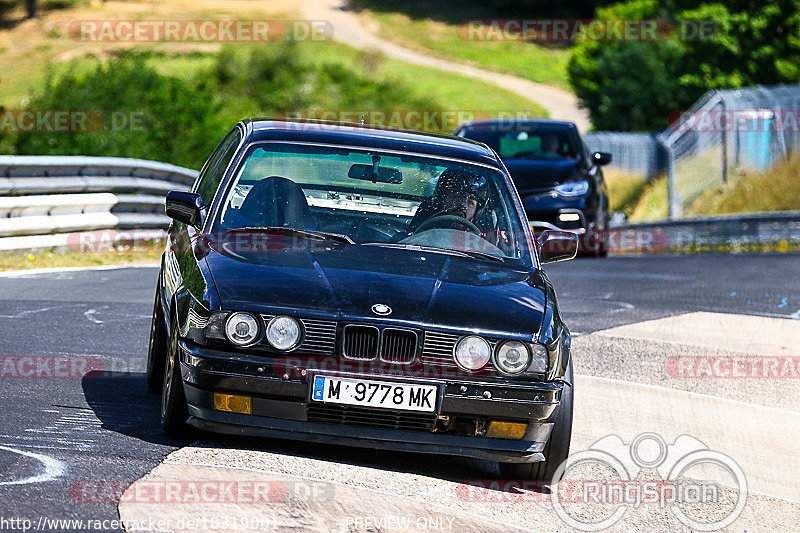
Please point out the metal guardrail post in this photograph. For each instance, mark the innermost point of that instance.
(723, 126)
(674, 210)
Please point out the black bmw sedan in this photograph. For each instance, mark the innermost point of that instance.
(353, 285)
(560, 183)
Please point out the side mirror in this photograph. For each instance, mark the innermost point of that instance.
(185, 207)
(601, 158)
(556, 245)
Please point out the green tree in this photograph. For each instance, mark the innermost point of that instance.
(144, 114)
(636, 85)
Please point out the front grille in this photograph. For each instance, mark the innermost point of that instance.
(437, 350)
(373, 418)
(360, 342)
(320, 335)
(399, 345)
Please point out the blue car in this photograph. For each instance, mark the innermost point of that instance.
(560, 182)
(361, 286)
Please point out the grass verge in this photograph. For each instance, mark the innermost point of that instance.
(624, 190)
(54, 258)
(653, 202)
(527, 60)
(777, 189)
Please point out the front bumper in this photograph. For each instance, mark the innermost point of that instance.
(280, 408)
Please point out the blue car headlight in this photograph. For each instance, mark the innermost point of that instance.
(573, 189)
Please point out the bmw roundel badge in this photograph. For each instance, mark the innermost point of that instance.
(381, 309)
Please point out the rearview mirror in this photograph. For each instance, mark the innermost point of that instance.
(185, 207)
(557, 246)
(367, 173)
(601, 158)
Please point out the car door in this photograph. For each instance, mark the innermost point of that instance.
(184, 281)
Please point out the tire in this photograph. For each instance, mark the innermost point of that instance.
(557, 448)
(157, 349)
(174, 411)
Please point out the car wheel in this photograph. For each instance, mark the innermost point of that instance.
(557, 448)
(157, 351)
(173, 400)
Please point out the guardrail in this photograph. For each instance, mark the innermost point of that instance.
(741, 232)
(45, 198)
(47, 201)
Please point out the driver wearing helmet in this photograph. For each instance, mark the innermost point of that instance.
(459, 194)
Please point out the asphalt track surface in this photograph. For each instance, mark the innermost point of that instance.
(60, 434)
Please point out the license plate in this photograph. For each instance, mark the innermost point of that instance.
(369, 393)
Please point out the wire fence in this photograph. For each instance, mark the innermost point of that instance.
(724, 136)
(638, 154)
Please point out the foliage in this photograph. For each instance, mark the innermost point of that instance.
(156, 116)
(144, 114)
(634, 85)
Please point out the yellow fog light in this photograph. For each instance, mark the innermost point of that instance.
(506, 430)
(233, 403)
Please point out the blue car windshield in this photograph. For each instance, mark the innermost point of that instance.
(375, 198)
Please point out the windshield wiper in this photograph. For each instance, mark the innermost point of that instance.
(449, 251)
(322, 235)
(481, 255)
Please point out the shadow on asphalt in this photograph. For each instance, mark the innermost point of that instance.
(123, 404)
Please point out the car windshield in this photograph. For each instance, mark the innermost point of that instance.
(366, 197)
(526, 142)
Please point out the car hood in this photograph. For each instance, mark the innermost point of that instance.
(345, 281)
(534, 175)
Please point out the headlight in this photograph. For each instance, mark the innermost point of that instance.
(571, 189)
(283, 333)
(539, 358)
(512, 357)
(241, 329)
(472, 352)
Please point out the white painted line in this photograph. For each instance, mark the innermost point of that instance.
(52, 468)
(623, 382)
(37, 271)
(762, 440)
(747, 334)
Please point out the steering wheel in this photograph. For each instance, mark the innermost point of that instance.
(442, 220)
